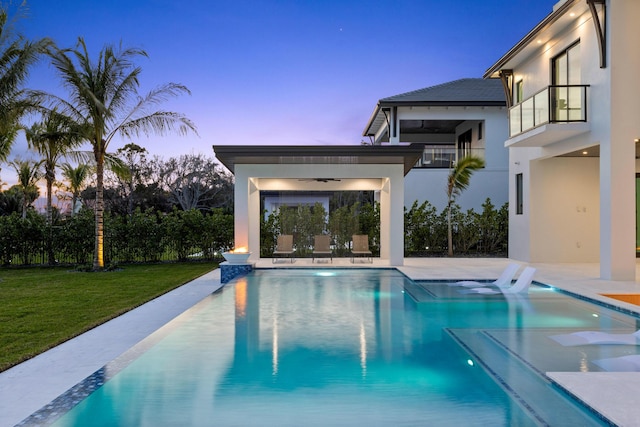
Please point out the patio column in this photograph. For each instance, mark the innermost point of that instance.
(392, 216)
(246, 204)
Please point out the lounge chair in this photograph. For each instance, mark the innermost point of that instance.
(629, 363)
(480, 290)
(521, 285)
(284, 247)
(361, 247)
(322, 247)
(505, 279)
(597, 338)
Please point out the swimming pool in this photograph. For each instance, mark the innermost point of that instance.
(345, 347)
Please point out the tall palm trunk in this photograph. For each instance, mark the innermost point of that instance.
(49, 201)
(98, 260)
(449, 232)
(49, 177)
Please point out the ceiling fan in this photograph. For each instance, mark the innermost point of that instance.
(319, 179)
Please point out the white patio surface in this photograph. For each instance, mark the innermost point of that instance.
(31, 385)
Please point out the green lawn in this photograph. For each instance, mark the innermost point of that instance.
(43, 307)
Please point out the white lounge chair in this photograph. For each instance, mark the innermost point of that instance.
(505, 279)
(596, 337)
(629, 363)
(521, 285)
(480, 290)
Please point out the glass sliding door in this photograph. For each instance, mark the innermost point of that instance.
(566, 101)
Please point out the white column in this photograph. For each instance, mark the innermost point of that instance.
(392, 217)
(254, 218)
(397, 217)
(617, 155)
(241, 207)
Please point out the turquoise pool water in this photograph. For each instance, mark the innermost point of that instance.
(354, 347)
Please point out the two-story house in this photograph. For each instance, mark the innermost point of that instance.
(451, 120)
(573, 89)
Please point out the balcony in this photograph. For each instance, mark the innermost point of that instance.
(557, 112)
(444, 156)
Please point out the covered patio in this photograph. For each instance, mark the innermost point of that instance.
(320, 168)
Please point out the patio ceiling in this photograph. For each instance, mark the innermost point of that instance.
(594, 151)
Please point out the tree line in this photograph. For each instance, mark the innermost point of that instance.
(101, 102)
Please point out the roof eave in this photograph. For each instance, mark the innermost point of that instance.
(229, 155)
(367, 129)
(526, 40)
(382, 104)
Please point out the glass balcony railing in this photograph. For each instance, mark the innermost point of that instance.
(553, 104)
(444, 156)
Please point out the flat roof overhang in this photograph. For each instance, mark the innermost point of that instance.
(405, 154)
(548, 133)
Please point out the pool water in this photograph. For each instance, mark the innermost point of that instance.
(351, 347)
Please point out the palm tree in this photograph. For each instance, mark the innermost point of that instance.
(52, 139)
(457, 182)
(77, 177)
(28, 175)
(17, 55)
(104, 102)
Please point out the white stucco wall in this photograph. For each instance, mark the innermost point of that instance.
(430, 185)
(491, 182)
(564, 210)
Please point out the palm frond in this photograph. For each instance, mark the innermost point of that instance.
(160, 123)
(460, 175)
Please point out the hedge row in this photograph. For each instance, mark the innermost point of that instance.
(181, 235)
(142, 237)
(484, 233)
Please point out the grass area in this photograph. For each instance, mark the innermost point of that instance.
(43, 307)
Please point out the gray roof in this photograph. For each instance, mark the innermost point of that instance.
(458, 92)
(471, 92)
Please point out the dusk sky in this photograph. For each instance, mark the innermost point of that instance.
(285, 72)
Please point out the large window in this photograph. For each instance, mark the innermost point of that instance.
(519, 195)
(567, 100)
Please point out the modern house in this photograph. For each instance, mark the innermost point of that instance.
(451, 120)
(573, 93)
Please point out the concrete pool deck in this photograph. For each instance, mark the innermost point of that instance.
(26, 388)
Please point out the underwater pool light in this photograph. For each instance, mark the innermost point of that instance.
(470, 362)
(325, 273)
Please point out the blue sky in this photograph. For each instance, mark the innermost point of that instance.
(285, 72)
